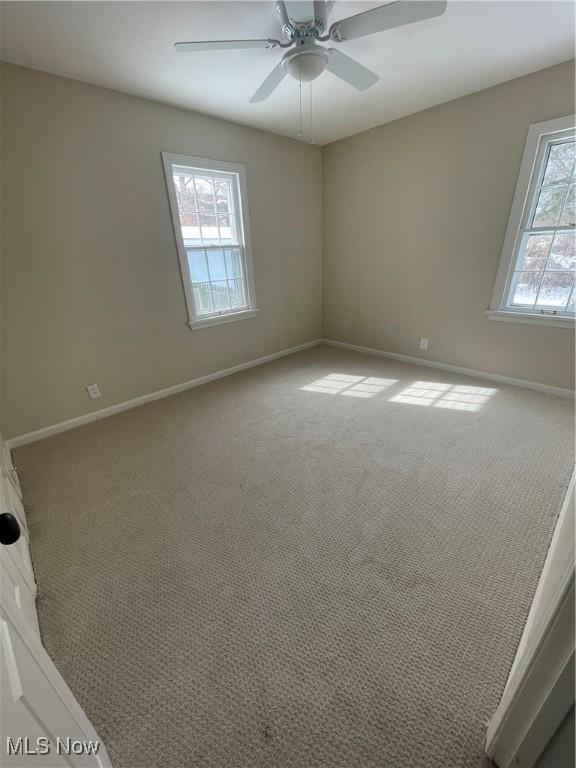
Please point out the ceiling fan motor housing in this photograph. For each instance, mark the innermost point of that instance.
(316, 26)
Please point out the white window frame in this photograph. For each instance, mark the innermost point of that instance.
(196, 321)
(540, 135)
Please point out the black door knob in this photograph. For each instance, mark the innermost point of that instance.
(9, 528)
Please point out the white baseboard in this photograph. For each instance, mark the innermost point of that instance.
(550, 390)
(78, 421)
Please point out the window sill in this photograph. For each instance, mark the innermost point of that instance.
(231, 317)
(530, 319)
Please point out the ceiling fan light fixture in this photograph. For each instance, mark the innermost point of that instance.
(307, 65)
(305, 23)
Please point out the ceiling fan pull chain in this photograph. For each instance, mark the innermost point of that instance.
(300, 131)
(311, 122)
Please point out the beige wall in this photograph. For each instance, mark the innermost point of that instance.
(92, 285)
(414, 218)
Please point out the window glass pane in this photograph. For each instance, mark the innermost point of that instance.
(229, 263)
(550, 204)
(555, 289)
(563, 251)
(227, 224)
(560, 163)
(525, 288)
(191, 230)
(205, 208)
(220, 295)
(184, 185)
(233, 262)
(209, 225)
(237, 293)
(569, 213)
(197, 265)
(202, 298)
(535, 252)
(205, 194)
(216, 265)
(223, 195)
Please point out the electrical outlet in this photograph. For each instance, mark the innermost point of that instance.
(423, 343)
(93, 391)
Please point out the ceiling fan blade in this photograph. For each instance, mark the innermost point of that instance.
(322, 9)
(395, 14)
(224, 45)
(270, 84)
(300, 10)
(350, 70)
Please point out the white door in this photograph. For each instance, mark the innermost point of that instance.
(41, 723)
(540, 688)
(16, 574)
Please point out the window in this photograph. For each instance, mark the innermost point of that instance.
(536, 277)
(209, 212)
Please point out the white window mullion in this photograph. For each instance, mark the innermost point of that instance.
(227, 284)
(571, 225)
(571, 293)
(216, 208)
(207, 262)
(543, 230)
(198, 209)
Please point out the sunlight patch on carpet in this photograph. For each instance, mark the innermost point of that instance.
(440, 395)
(352, 386)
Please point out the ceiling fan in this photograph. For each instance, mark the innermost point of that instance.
(304, 25)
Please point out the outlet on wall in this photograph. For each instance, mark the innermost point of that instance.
(93, 391)
(423, 343)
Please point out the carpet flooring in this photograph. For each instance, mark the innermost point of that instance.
(324, 562)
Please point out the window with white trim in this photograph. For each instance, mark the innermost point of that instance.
(209, 212)
(537, 274)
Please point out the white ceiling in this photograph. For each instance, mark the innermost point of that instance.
(128, 46)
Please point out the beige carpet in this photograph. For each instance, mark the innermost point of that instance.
(325, 562)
